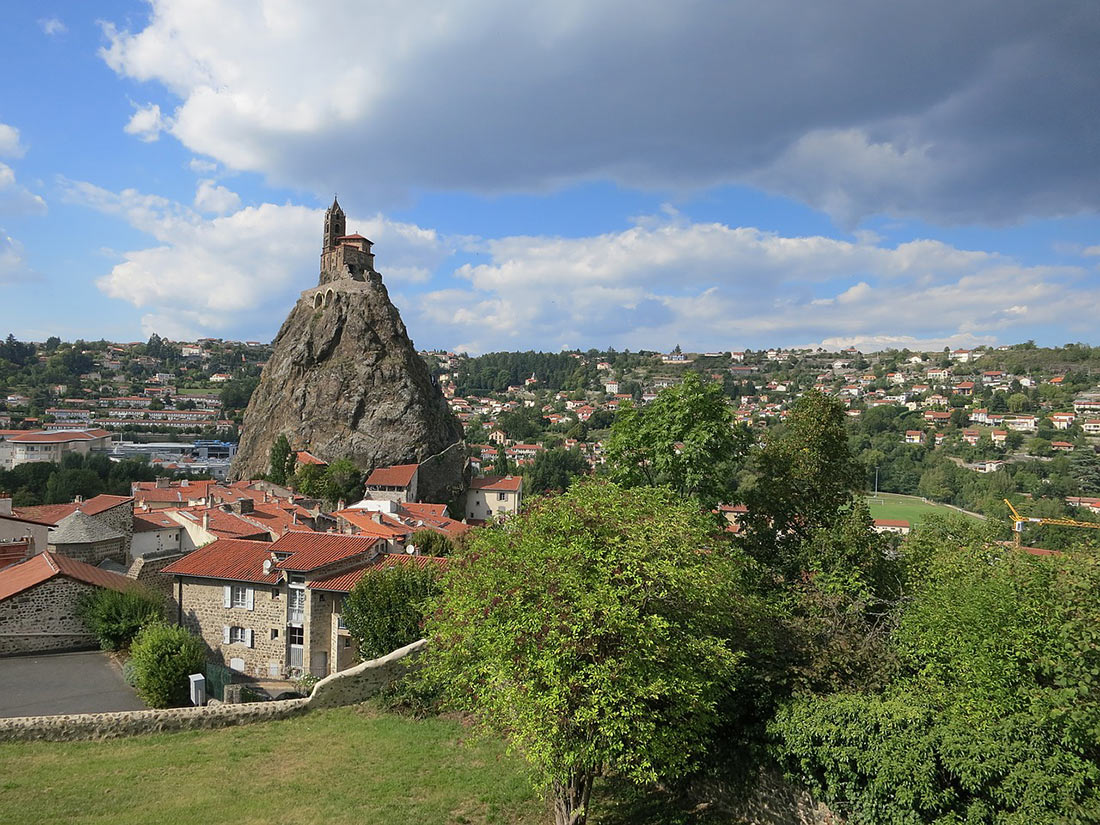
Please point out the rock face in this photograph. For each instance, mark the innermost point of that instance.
(345, 381)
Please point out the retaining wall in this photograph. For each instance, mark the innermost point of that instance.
(349, 687)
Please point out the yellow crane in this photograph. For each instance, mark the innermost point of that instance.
(1019, 521)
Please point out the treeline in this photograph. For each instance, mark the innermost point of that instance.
(92, 474)
(496, 371)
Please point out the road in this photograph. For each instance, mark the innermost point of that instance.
(60, 683)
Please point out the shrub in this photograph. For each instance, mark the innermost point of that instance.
(385, 610)
(431, 543)
(115, 617)
(163, 656)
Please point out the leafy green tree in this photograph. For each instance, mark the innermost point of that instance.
(501, 465)
(115, 617)
(343, 482)
(386, 608)
(687, 439)
(309, 480)
(993, 713)
(163, 656)
(432, 543)
(554, 470)
(281, 461)
(593, 631)
(805, 478)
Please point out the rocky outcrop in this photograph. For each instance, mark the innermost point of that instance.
(344, 381)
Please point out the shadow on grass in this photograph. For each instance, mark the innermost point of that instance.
(618, 802)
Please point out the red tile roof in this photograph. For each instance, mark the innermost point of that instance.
(501, 483)
(364, 521)
(344, 582)
(101, 503)
(45, 566)
(46, 513)
(310, 551)
(306, 457)
(400, 475)
(232, 559)
(891, 522)
(147, 522)
(12, 552)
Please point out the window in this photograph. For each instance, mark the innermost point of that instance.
(502, 496)
(239, 596)
(295, 635)
(237, 636)
(347, 641)
(274, 633)
(274, 592)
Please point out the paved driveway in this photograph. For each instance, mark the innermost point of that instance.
(55, 683)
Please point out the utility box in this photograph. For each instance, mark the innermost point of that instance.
(198, 689)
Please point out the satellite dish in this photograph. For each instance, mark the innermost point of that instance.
(267, 567)
(411, 549)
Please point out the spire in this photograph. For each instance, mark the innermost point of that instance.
(334, 225)
(335, 206)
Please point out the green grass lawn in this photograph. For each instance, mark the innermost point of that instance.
(913, 510)
(352, 765)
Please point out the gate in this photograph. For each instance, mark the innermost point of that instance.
(217, 677)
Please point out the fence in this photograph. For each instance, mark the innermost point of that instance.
(217, 677)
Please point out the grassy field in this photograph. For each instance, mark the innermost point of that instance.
(353, 765)
(337, 767)
(913, 510)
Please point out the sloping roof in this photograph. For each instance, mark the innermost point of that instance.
(400, 475)
(78, 528)
(344, 582)
(891, 522)
(148, 522)
(45, 566)
(49, 514)
(306, 457)
(310, 551)
(364, 521)
(232, 559)
(98, 504)
(422, 509)
(500, 483)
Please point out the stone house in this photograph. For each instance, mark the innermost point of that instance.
(87, 539)
(397, 483)
(38, 599)
(273, 609)
(493, 496)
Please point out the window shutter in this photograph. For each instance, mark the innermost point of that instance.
(250, 598)
(225, 634)
(248, 637)
(228, 596)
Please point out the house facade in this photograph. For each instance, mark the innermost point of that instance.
(490, 497)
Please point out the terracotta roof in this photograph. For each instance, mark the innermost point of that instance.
(312, 550)
(12, 552)
(147, 522)
(364, 521)
(306, 457)
(400, 475)
(501, 483)
(232, 559)
(45, 566)
(49, 514)
(344, 582)
(99, 504)
(891, 522)
(422, 509)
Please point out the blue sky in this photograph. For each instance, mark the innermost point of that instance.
(712, 174)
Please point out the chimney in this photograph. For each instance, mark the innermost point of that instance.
(162, 483)
(293, 518)
(267, 496)
(376, 518)
(206, 520)
(78, 499)
(244, 506)
(340, 504)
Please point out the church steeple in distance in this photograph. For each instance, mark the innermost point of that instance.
(335, 225)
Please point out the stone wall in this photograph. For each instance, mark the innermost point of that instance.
(146, 571)
(442, 477)
(205, 613)
(350, 687)
(95, 552)
(775, 801)
(120, 518)
(130, 723)
(44, 618)
(359, 683)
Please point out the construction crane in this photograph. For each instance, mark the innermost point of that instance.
(1019, 521)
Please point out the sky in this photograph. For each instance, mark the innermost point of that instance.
(714, 174)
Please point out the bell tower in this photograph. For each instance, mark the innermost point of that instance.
(335, 226)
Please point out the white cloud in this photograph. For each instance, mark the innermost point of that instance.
(712, 286)
(209, 197)
(9, 142)
(16, 199)
(52, 26)
(954, 111)
(147, 123)
(241, 270)
(13, 264)
(202, 167)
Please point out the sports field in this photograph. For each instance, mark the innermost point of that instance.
(909, 508)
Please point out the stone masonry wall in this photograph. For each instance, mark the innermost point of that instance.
(121, 518)
(44, 618)
(146, 571)
(359, 683)
(94, 552)
(205, 613)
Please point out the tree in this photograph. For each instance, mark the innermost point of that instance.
(115, 617)
(432, 543)
(501, 465)
(282, 460)
(343, 482)
(593, 632)
(805, 477)
(163, 656)
(385, 609)
(687, 439)
(309, 480)
(554, 470)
